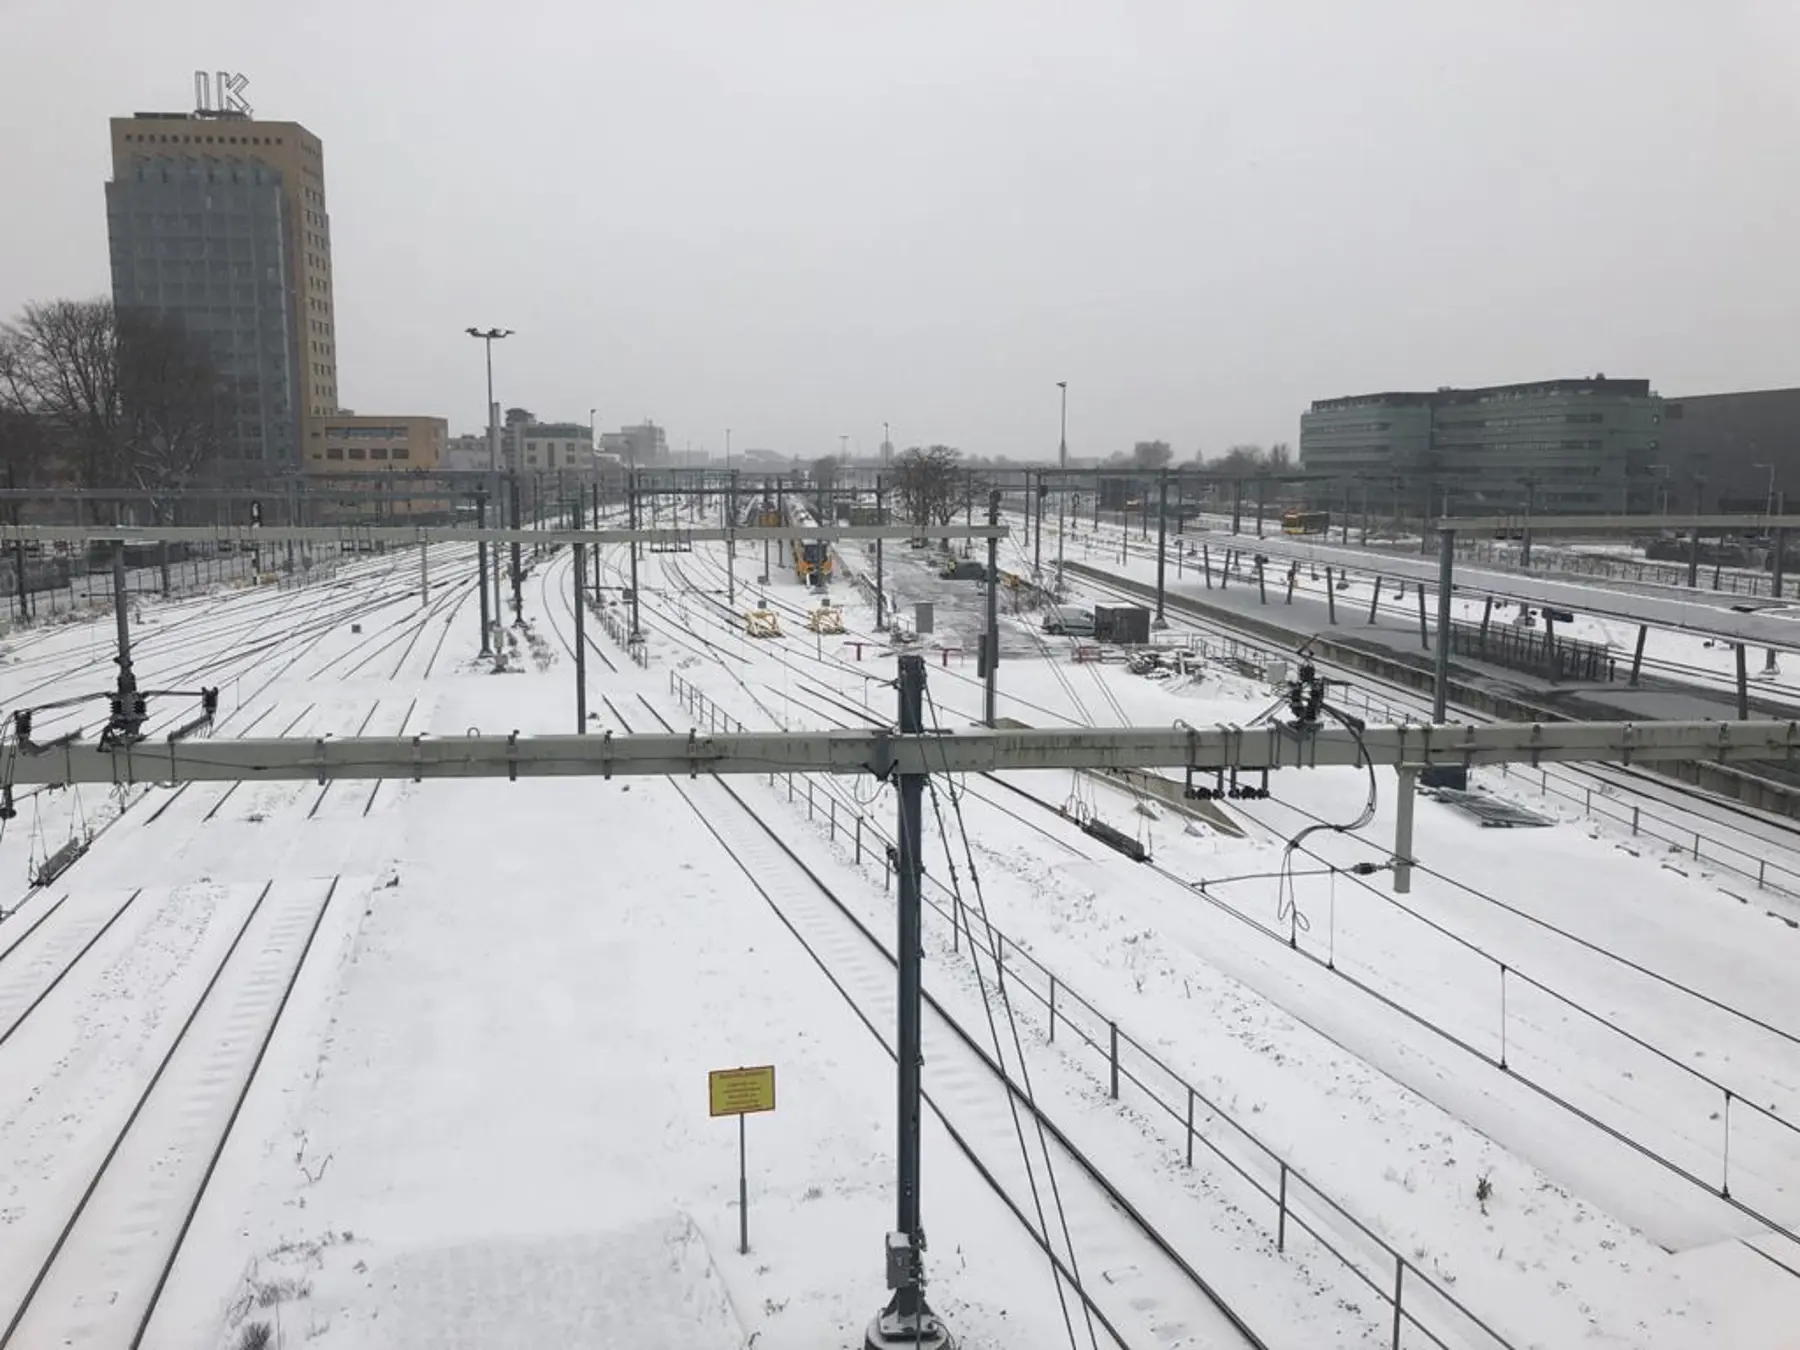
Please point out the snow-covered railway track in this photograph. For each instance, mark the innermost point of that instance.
(1640, 1124)
(92, 1277)
(1110, 1236)
(1758, 834)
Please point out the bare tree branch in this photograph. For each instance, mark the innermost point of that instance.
(62, 366)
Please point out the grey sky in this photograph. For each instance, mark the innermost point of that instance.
(799, 217)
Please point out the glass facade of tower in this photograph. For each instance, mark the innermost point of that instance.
(205, 240)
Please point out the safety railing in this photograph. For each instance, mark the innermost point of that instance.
(1701, 845)
(1301, 1210)
(1747, 1122)
(619, 631)
(1532, 649)
(1648, 823)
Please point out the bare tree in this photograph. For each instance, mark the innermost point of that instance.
(1281, 456)
(928, 484)
(60, 363)
(24, 454)
(173, 401)
(1150, 455)
(1241, 459)
(112, 400)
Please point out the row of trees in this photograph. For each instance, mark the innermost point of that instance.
(932, 483)
(96, 397)
(1148, 456)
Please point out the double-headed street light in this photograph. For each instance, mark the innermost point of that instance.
(489, 336)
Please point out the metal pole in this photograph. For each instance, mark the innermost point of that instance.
(907, 1317)
(1162, 541)
(880, 519)
(578, 575)
(631, 493)
(424, 574)
(518, 571)
(990, 642)
(1037, 547)
(743, 1193)
(1062, 466)
(1530, 505)
(1637, 654)
(481, 569)
(493, 465)
(1743, 686)
(1776, 579)
(731, 524)
(127, 716)
(1440, 683)
(1237, 504)
(1403, 829)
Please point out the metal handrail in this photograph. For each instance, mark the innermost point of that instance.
(1116, 1037)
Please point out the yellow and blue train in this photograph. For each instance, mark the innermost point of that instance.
(812, 557)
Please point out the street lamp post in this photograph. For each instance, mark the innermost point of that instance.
(1769, 499)
(488, 337)
(1062, 465)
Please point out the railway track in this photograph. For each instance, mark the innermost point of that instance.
(1763, 837)
(1668, 1155)
(1108, 1232)
(284, 652)
(93, 1277)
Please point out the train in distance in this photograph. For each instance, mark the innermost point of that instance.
(812, 557)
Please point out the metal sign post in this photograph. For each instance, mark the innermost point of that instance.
(739, 1092)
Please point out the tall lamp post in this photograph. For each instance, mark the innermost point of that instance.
(1062, 465)
(1769, 500)
(488, 337)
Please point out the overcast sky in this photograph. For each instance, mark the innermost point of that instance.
(797, 218)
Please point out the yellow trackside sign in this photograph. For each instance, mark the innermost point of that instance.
(741, 1092)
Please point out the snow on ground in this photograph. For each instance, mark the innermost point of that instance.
(483, 1120)
(1641, 1193)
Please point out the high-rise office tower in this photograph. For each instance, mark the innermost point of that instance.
(219, 220)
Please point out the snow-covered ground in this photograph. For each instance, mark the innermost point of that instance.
(482, 1118)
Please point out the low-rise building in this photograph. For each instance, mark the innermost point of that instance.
(644, 446)
(345, 446)
(467, 454)
(555, 445)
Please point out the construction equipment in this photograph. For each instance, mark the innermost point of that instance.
(827, 618)
(762, 623)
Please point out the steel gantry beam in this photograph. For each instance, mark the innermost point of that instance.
(1268, 746)
(250, 535)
